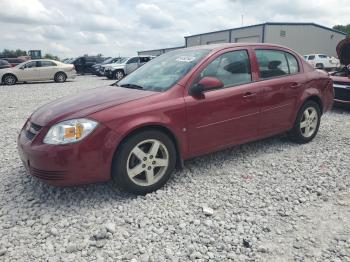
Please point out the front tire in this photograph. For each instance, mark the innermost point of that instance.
(119, 74)
(307, 123)
(9, 80)
(60, 77)
(144, 162)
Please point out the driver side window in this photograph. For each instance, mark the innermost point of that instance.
(231, 68)
(133, 60)
(30, 65)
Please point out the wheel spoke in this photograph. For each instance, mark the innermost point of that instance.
(150, 176)
(161, 162)
(306, 114)
(139, 153)
(135, 170)
(154, 149)
(303, 124)
(307, 131)
(313, 115)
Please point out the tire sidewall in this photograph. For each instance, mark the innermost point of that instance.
(14, 82)
(57, 75)
(119, 172)
(116, 72)
(296, 130)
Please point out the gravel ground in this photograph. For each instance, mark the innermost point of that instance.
(270, 200)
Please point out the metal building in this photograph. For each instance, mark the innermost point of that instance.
(157, 52)
(305, 38)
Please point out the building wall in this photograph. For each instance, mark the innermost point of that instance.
(305, 39)
(250, 34)
(210, 38)
(158, 52)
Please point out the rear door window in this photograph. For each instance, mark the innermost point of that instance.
(292, 63)
(322, 56)
(272, 63)
(47, 63)
(311, 57)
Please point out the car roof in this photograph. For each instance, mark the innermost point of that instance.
(217, 47)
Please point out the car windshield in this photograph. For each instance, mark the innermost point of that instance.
(107, 61)
(163, 72)
(121, 60)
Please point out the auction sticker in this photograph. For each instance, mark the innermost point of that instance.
(186, 59)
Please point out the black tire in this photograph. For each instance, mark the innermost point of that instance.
(296, 134)
(9, 79)
(121, 160)
(118, 74)
(320, 66)
(60, 77)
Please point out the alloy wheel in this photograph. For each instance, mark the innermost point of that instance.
(119, 75)
(147, 162)
(10, 80)
(308, 123)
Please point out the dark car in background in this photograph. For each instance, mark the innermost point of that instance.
(98, 69)
(4, 64)
(341, 78)
(83, 64)
(14, 61)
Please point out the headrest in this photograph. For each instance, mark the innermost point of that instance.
(274, 64)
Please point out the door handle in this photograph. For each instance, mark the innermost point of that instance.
(249, 95)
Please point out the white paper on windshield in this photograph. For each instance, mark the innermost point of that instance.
(186, 59)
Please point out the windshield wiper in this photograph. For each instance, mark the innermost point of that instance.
(133, 86)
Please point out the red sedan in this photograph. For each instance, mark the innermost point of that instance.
(183, 104)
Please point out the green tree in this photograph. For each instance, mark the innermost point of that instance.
(343, 28)
(12, 53)
(51, 56)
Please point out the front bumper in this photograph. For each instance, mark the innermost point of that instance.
(84, 162)
(342, 93)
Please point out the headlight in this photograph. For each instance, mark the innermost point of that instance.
(69, 131)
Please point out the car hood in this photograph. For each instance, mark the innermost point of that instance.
(84, 104)
(343, 51)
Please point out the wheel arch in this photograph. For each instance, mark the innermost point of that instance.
(316, 99)
(6, 74)
(60, 72)
(158, 127)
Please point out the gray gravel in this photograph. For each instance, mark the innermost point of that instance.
(270, 200)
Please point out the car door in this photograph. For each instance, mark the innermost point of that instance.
(28, 72)
(281, 82)
(131, 65)
(228, 115)
(47, 69)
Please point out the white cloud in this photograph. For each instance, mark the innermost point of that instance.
(153, 16)
(114, 27)
(29, 12)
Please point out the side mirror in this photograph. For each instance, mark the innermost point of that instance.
(205, 84)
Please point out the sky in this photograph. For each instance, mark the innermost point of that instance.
(70, 28)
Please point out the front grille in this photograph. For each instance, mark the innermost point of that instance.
(47, 175)
(31, 130)
(342, 94)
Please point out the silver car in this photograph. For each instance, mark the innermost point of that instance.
(125, 66)
(37, 70)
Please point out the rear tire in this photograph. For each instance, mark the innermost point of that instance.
(306, 124)
(60, 77)
(9, 79)
(144, 162)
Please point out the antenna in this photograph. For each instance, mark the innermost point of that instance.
(242, 18)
